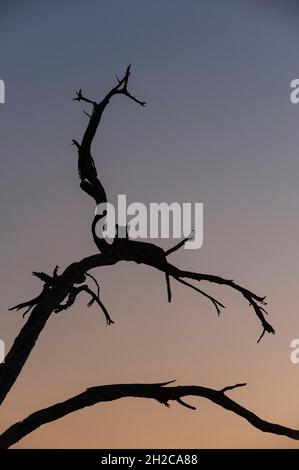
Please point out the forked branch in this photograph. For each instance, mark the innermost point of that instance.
(149, 253)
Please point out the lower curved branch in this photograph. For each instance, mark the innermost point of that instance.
(159, 391)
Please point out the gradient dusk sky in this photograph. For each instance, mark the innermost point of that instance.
(218, 128)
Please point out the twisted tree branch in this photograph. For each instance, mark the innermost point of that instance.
(127, 250)
(149, 253)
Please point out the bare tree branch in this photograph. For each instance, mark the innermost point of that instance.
(253, 299)
(98, 108)
(95, 281)
(80, 97)
(232, 387)
(178, 246)
(95, 298)
(126, 250)
(215, 302)
(160, 392)
(152, 255)
(90, 183)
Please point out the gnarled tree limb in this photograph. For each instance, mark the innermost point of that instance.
(150, 253)
(159, 391)
(128, 250)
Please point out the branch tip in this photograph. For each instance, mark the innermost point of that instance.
(232, 387)
(186, 405)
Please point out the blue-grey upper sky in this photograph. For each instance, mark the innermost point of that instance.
(218, 128)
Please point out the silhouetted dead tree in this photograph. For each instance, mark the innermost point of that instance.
(60, 291)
